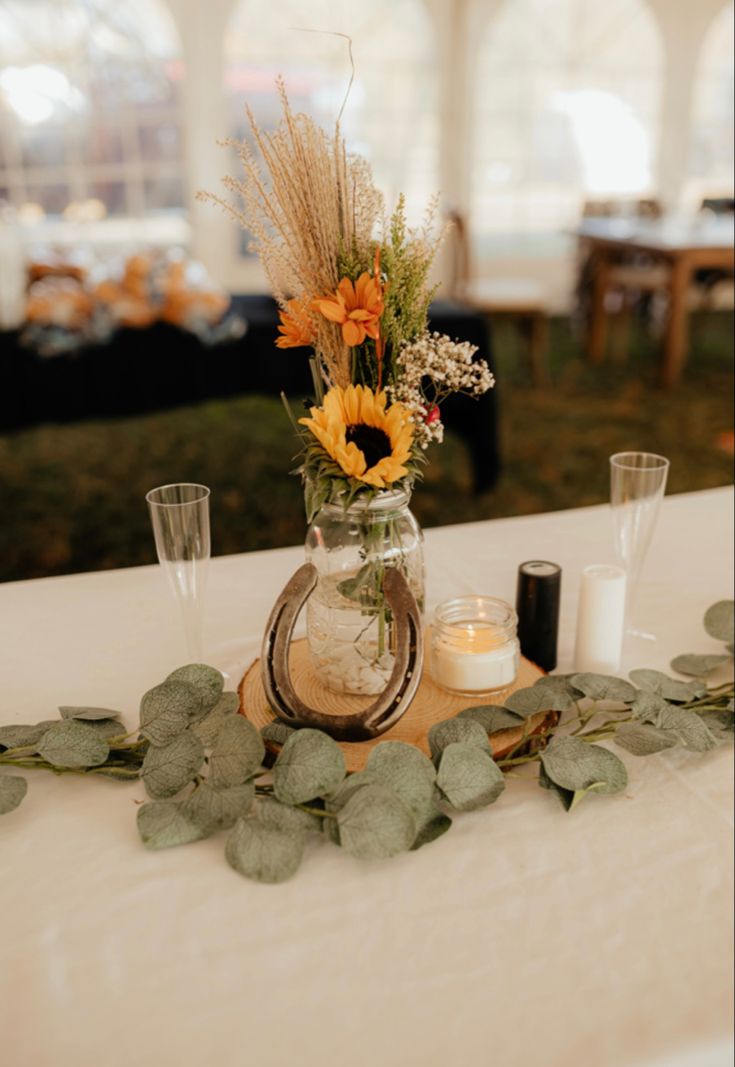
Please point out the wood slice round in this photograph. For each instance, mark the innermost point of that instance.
(430, 705)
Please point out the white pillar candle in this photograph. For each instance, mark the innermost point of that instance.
(600, 619)
(477, 660)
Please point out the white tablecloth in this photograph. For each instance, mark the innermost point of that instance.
(524, 936)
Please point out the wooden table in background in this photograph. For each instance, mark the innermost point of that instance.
(685, 247)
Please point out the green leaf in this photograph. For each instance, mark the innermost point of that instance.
(163, 824)
(263, 854)
(277, 816)
(559, 683)
(208, 682)
(68, 712)
(431, 825)
(643, 739)
(669, 688)
(207, 728)
(648, 706)
(337, 800)
(70, 743)
(107, 728)
(468, 777)
(529, 701)
(453, 731)
(276, 732)
(719, 621)
(309, 765)
(167, 709)
(19, 735)
(405, 770)
(237, 752)
(688, 727)
(492, 717)
(565, 796)
(604, 687)
(575, 765)
(720, 724)
(375, 824)
(168, 768)
(698, 666)
(12, 790)
(316, 493)
(217, 809)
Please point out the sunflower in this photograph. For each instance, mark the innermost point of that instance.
(368, 442)
(296, 329)
(356, 308)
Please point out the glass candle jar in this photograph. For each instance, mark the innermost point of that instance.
(474, 649)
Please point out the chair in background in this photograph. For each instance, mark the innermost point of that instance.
(633, 282)
(523, 301)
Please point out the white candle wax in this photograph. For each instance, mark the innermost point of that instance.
(475, 661)
(600, 619)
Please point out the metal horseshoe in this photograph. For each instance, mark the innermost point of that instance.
(395, 699)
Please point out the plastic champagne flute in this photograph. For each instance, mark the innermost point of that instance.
(637, 486)
(180, 518)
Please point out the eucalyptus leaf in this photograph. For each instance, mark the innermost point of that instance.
(277, 816)
(576, 765)
(20, 735)
(452, 731)
(565, 796)
(91, 714)
(167, 709)
(208, 727)
(163, 824)
(688, 727)
(276, 732)
(526, 702)
(468, 777)
(208, 682)
(218, 809)
(604, 687)
(432, 824)
(648, 706)
(698, 666)
(118, 774)
(719, 621)
(720, 724)
(375, 824)
(643, 739)
(262, 853)
(237, 752)
(107, 728)
(12, 790)
(405, 770)
(70, 743)
(559, 683)
(309, 765)
(168, 768)
(662, 685)
(492, 717)
(337, 800)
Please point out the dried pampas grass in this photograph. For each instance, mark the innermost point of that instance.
(308, 206)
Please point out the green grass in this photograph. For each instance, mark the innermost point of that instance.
(71, 497)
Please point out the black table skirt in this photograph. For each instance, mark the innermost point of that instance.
(162, 367)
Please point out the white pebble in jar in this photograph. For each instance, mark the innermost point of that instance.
(474, 647)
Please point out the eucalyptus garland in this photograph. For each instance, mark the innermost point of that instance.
(204, 766)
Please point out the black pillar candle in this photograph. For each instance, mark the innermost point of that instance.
(537, 606)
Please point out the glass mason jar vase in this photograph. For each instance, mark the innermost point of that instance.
(349, 625)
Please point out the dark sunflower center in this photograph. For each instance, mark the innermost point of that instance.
(373, 443)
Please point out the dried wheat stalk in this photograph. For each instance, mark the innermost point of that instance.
(305, 202)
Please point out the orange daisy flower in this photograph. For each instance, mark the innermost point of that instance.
(296, 330)
(356, 308)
